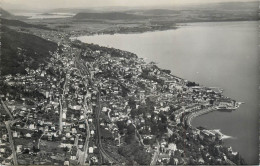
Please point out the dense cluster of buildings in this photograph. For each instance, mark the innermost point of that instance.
(84, 103)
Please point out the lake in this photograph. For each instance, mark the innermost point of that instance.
(215, 54)
(35, 15)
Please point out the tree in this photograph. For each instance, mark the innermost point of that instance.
(163, 118)
(154, 129)
(130, 129)
(162, 128)
(211, 102)
(125, 91)
(35, 150)
(26, 151)
(172, 117)
(238, 160)
(66, 149)
(133, 113)
(142, 109)
(171, 162)
(132, 103)
(190, 84)
(142, 158)
(129, 76)
(147, 141)
(121, 125)
(166, 71)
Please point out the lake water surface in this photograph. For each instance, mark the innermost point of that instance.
(35, 15)
(216, 54)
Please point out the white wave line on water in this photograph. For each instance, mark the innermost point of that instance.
(223, 136)
(228, 137)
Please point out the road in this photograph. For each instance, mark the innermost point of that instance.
(155, 155)
(61, 100)
(8, 123)
(230, 162)
(60, 117)
(39, 140)
(101, 149)
(7, 110)
(137, 132)
(84, 72)
(64, 88)
(85, 153)
(82, 67)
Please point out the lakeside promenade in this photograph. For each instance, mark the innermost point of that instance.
(192, 115)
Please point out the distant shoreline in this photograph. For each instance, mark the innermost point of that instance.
(177, 26)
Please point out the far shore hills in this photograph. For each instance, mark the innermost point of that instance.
(111, 20)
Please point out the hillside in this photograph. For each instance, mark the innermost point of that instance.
(205, 12)
(159, 12)
(242, 6)
(21, 50)
(5, 13)
(108, 16)
(19, 23)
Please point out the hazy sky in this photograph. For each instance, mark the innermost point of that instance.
(50, 4)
